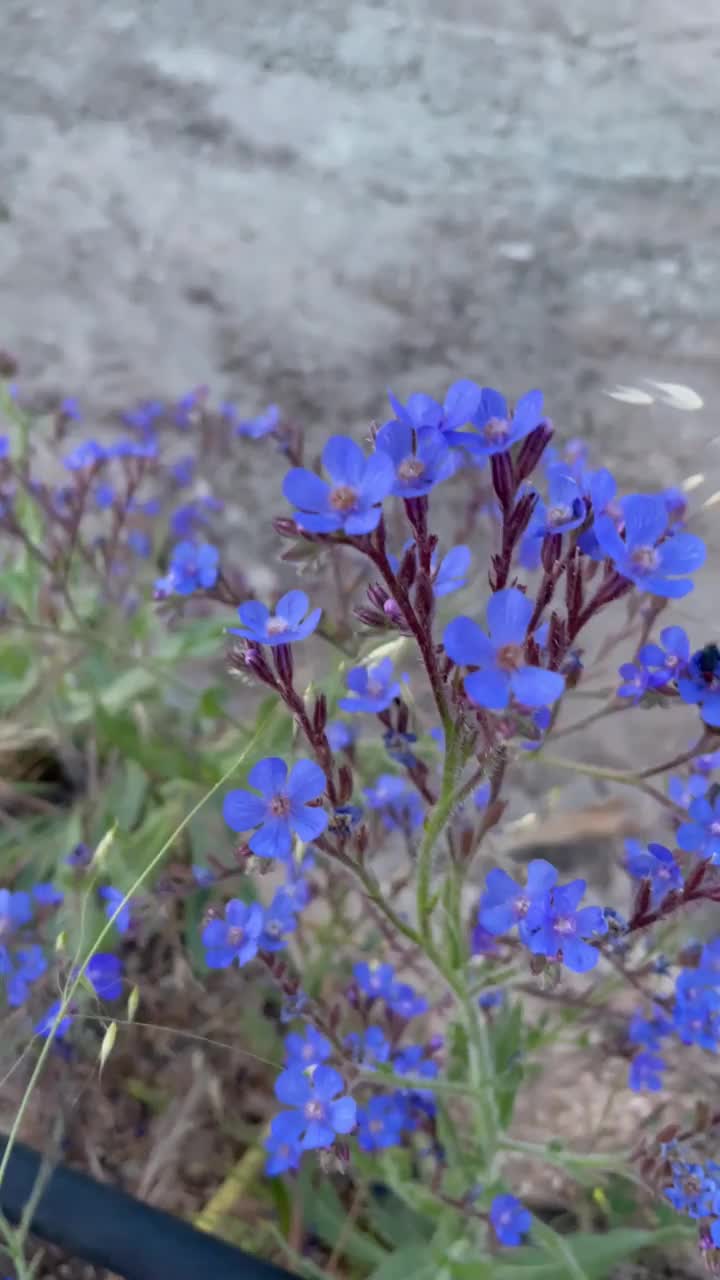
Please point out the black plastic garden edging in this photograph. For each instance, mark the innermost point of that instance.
(111, 1229)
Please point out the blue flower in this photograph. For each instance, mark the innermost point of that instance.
(700, 684)
(183, 470)
(654, 566)
(263, 425)
(635, 681)
(104, 495)
(307, 1050)
(284, 807)
(373, 688)
(510, 1220)
(650, 1032)
(104, 973)
(495, 429)
(279, 921)
(559, 928)
(352, 501)
(405, 1002)
(600, 488)
(30, 964)
(707, 762)
(458, 409)
(481, 797)
(565, 507)
(398, 802)
(656, 864)
(421, 457)
(503, 672)
(645, 1072)
(374, 980)
(701, 834)
(505, 903)
(140, 544)
(237, 937)
(368, 1047)
(87, 454)
(15, 910)
(453, 571)
(316, 1101)
(113, 899)
(283, 1143)
(413, 1061)
(341, 736)
(381, 1122)
(682, 791)
(44, 1025)
(290, 621)
(192, 568)
(667, 660)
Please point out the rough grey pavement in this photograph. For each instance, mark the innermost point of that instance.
(307, 202)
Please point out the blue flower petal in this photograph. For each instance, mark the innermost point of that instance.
(306, 782)
(535, 687)
(508, 614)
(489, 689)
(268, 776)
(466, 643)
(242, 810)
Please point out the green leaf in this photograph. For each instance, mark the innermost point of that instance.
(413, 1261)
(594, 1257)
(325, 1214)
(506, 1041)
(394, 1221)
(128, 687)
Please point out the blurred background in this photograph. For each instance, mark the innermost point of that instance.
(305, 203)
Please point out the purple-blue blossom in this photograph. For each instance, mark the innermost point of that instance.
(421, 457)
(701, 833)
(503, 672)
(319, 1113)
(284, 808)
(505, 903)
(236, 938)
(655, 863)
(114, 901)
(559, 927)
(399, 804)
(457, 410)
(306, 1050)
(265, 424)
(279, 922)
(667, 660)
(564, 508)
(193, 567)
(510, 1220)
(645, 1072)
(289, 623)
(372, 689)
(352, 501)
(494, 429)
(381, 1122)
(452, 573)
(657, 566)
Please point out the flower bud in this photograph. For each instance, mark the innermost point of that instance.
(503, 479)
(408, 567)
(283, 659)
(532, 450)
(320, 714)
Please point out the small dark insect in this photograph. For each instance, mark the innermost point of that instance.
(708, 661)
